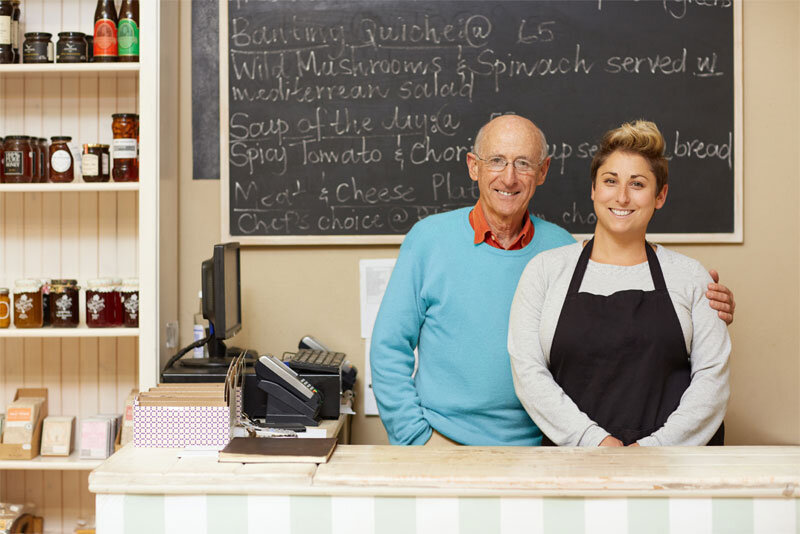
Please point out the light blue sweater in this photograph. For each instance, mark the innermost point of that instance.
(451, 299)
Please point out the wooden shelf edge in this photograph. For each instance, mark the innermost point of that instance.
(81, 331)
(52, 463)
(69, 187)
(67, 68)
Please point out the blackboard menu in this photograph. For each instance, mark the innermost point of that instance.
(354, 118)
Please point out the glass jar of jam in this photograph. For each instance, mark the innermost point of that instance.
(17, 160)
(64, 303)
(5, 308)
(62, 168)
(94, 163)
(72, 48)
(126, 132)
(129, 295)
(100, 297)
(28, 304)
(37, 48)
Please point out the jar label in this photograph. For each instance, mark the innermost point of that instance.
(128, 38)
(124, 148)
(36, 52)
(13, 162)
(89, 165)
(105, 164)
(105, 38)
(70, 51)
(132, 305)
(95, 305)
(23, 305)
(60, 161)
(64, 307)
(50, 51)
(5, 30)
(14, 34)
(5, 312)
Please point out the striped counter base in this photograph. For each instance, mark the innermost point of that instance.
(212, 514)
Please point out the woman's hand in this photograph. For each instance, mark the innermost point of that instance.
(611, 441)
(721, 298)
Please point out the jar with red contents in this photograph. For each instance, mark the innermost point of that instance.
(64, 303)
(17, 160)
(101, 303)
(129, 295)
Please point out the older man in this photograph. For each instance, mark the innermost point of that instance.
(450, 294)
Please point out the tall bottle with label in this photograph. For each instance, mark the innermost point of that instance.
(6, 15)
(128, 31)
(15, 33)
(105, 31)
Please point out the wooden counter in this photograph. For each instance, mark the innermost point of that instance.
(759, 487)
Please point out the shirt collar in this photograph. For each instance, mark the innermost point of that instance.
(483, 233)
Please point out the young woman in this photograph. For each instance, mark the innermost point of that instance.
(612, 341)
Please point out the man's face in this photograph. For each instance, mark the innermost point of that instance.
(505, 194)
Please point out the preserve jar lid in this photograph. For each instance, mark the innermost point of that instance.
(3, 291)
(100, 284)
(71, 34)
(27, 285)
(61, 138)
(40, 35)
(60, 285)
(93, 145)
(18, 137)
(124, 116)
(129, 284)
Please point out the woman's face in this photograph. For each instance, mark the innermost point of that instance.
(624, 194)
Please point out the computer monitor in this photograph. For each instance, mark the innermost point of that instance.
(222, 302)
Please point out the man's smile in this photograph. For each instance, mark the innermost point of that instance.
(507, 193)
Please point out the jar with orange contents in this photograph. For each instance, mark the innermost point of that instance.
(28, 304)
(5, 308)
(125, 127)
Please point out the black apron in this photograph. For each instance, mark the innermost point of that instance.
(622, 358)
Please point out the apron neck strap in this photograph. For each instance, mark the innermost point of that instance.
(583, 261)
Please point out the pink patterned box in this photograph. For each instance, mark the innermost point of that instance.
(181, 426)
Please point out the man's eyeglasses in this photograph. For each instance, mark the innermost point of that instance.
(498, 163)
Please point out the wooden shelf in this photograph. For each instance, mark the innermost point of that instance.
(75, 187)
(52, 463)
(67, 68)
(80, 331)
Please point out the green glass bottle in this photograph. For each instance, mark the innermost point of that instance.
(128, 31)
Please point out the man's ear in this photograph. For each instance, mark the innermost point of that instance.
(472, 166)
(661, 198)
(545, 168)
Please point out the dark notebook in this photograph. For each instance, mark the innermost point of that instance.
(267, 450)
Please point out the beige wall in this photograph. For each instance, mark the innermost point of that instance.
(289, 292)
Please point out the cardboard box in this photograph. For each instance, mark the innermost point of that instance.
(15, 451)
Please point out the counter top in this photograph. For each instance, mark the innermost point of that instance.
(469, 471)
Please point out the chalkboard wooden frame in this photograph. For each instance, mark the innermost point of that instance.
(736, 236)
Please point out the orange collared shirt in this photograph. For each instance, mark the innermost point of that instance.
(484, 233)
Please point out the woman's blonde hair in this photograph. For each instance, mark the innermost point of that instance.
(637, 137)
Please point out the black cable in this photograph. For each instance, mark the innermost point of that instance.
(183, 351)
